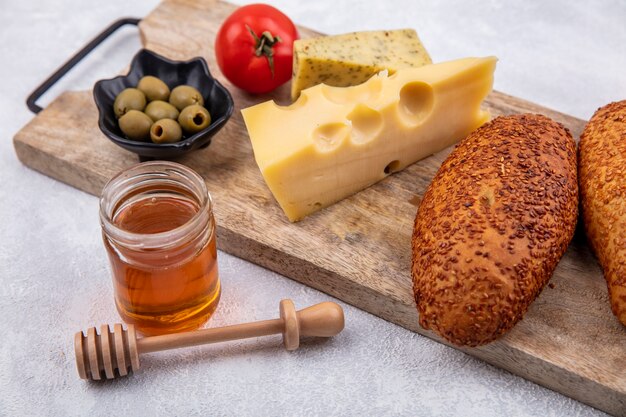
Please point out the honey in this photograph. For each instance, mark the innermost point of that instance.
(159, 233)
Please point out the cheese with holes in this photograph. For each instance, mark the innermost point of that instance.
(335, 141)
(352, 58)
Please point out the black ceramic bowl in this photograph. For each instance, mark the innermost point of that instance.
(195, 73)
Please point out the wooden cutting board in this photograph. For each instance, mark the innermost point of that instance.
(359, 249)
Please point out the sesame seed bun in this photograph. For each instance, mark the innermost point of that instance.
(492, 226)
(602, 169)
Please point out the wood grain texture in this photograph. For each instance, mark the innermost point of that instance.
(358, 250)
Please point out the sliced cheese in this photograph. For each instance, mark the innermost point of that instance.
(335, 141)
(351, 59)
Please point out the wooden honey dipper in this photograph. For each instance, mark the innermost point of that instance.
(119, 350)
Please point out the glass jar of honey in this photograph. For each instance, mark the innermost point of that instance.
(159, 233)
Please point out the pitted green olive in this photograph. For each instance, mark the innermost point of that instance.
(165, 131)
(185, 95)
(129, 99)
(153, 88)
(194, 118)
(135, 125)
(158, 110)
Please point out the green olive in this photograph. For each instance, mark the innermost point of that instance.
(135, 125)
(129, 99)
(194, 118)
(165, 131)
(185, 95)
(153, 88)
(158, 110)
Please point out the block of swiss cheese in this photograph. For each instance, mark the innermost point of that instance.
(335, 141)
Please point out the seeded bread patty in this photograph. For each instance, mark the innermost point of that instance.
(602, 168)
(492, 227)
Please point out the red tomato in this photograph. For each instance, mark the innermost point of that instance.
(254, 48)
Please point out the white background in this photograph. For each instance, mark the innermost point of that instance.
(54, 277)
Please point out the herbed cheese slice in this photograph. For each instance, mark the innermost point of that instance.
(353, 58)
(335, 141)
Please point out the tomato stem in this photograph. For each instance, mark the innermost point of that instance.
(263, 45)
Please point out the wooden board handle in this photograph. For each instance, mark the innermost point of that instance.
(65, 68)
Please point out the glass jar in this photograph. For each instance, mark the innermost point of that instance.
(159, 232)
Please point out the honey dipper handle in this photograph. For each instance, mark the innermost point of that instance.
(206, 336)
(323, 320)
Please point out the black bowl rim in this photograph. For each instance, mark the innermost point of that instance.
(188, 142)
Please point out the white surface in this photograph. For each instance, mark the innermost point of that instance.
(54, 277)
